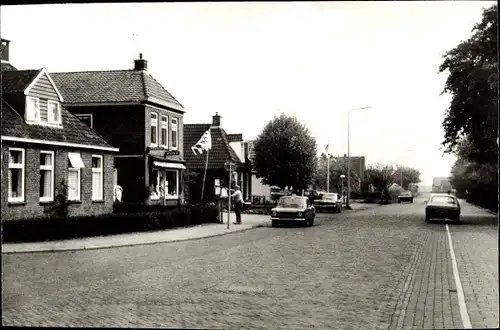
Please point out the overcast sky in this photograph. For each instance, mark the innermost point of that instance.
(250, 60)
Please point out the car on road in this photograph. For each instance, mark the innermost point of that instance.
(442, 206)
(328, 202)
(405, 196)
(293, 209)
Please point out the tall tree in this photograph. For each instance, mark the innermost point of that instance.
(473, 85)
(380, 176)
(410, 175)
(285, 154)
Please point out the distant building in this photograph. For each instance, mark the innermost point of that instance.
(441, 185)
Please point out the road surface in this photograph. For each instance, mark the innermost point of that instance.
(382, 268)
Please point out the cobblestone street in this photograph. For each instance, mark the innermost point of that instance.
(380, 268)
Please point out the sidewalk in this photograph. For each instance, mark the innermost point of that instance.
(249, 221)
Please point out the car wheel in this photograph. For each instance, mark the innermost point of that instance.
(427, 218)
(399, 202)
(274, 223)
(412, 201)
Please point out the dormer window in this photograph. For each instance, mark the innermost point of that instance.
(43, 112)
(53, 112)
(32, 108)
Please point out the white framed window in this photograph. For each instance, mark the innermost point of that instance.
(154, 129)
(32, 108)
(53, 112)
(87, 119)
(16, 174)
(175, 135)
(164, 132)
(75, 164)
(46, 176)
(97, 178)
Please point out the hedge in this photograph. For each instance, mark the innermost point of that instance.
(58, 228)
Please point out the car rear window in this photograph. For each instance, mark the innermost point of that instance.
(443, 199)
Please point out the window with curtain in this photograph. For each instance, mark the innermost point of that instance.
(54, 112)
(97, 178)
(175, 136)
(164, 132)
(32, 108)
(154, 129)
(46, 175)
(73, 183)
(16, 175)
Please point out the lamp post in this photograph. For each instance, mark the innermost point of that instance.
(342, 177)
(349, 155)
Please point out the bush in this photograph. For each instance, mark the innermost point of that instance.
(56, 228)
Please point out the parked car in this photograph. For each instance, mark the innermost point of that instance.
(293, 209)
(405, 196)
(328, 202)
(442, 206)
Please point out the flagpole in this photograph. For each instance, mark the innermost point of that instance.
(328, 167)
(204, 177)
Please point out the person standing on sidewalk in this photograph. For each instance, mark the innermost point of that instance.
(238, 203)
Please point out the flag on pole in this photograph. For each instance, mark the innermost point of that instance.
(327, 149)
(205, 143)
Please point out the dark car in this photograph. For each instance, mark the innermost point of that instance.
(293, 209)
(442, 206)
(405, 196)
(328, 202)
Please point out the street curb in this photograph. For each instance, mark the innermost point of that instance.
(129, 245)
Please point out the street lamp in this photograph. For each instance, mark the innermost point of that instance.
(342, 177)
(349, 154)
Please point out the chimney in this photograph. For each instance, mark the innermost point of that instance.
(140, 64)
(4, 50)
(216, 120)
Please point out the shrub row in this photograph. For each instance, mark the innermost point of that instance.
(56, 228)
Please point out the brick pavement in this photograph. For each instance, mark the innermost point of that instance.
(476, 249)
(430, 298)
(342, 274)
(375, 269)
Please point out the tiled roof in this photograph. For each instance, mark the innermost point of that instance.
(73, 130)
(112, 86)
(17, 81)
(235, 137)
(6, 66)
(221, 150)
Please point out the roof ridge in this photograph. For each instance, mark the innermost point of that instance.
(92, 71)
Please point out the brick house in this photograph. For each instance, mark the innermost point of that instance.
(46, 151)
(224, 147)
(136, 114)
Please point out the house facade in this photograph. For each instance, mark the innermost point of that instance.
(47, 152)
(224, 147)
(136, 114)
